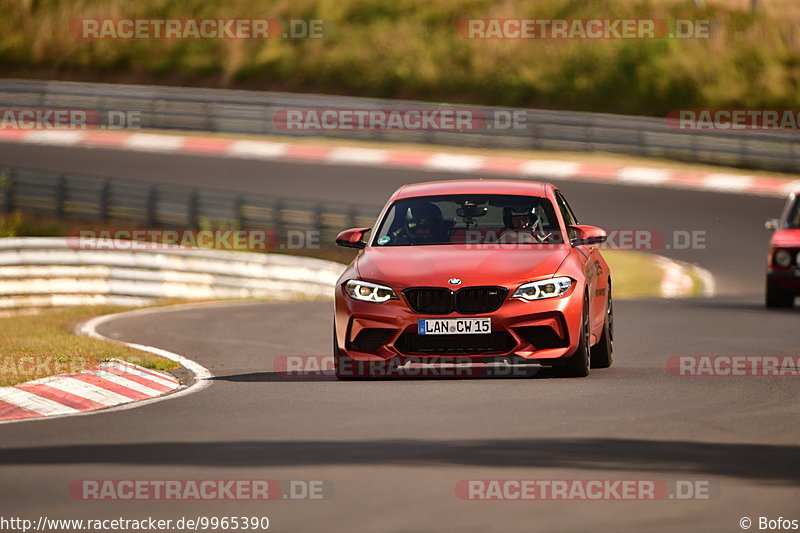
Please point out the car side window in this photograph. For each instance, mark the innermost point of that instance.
(566, 210)
(793, 220)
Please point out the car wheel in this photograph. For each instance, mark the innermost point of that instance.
(778, 297)
(603, 351)
(577, 366)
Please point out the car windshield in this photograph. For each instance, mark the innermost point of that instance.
(793, 220)
(469, 219)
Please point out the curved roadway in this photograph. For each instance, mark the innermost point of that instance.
(394, 450)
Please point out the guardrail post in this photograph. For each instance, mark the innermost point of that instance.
(745, 148)
(7, 183)
(192, 209)
(352, 215)
(277, 220)
(642, 136)
(102, 203)
(238, 214)
(151, 206)
(319, 210)
(60, 197)
(536, 136)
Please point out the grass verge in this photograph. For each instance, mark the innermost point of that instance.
(41, 343)
(635, 274)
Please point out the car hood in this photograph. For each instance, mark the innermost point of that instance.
(786, 237)
(434, 266)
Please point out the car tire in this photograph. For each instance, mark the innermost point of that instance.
(778, 297)
(602, 353)
(577, 366)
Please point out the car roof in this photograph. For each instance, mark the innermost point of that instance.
(474, 186)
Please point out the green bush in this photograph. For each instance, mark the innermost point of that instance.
(409, 49)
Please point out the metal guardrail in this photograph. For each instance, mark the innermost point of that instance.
(43, 271)
(89, 198)
(257, 112)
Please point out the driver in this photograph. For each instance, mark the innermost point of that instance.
(515, 220)
(424, 224)
(527, 222)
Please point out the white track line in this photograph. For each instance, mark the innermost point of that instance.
(33, 402)
(202, 376)
(550, 169)
(153, 142)
(257, 149)
(707, 278)
(54, 137)
(127, 383)
(151, 376)
(454, 162)
(643, 175)
(677, 280)
(86, 390)
(357, 156)
(727, 182)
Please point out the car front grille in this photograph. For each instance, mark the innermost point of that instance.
(475, 300)
(430, 300)
(467, 301)
(496, 342)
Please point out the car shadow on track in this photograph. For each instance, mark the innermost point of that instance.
(277, 377)
(761, 462)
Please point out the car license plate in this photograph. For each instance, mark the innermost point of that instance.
(454, 326)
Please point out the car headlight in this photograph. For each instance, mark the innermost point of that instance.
(783, 258)
(546, 288)
(369, 292)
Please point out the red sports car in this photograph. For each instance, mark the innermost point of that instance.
(783, 261)
(497, 272)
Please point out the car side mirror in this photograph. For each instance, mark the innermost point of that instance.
(587, 235)
(771, 224)
(352, 238)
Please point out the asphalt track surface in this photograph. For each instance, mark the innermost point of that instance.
(394, 450)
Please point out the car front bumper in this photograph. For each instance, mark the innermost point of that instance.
(542, 331)
(788, 278)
